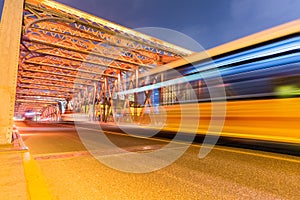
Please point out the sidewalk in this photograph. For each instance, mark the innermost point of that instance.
(20, 177)
(12, 175)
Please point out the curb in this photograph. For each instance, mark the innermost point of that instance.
(17, 143)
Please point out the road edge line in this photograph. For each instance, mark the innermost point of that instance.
(36, 186)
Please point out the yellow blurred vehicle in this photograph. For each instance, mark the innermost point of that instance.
(260, 77)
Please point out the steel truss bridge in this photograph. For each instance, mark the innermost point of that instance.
(51, 53)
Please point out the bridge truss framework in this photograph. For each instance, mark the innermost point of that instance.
(51, 52)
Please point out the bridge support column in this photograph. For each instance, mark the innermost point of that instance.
(10, 35)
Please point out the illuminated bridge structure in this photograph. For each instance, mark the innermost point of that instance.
(51, 54)
(54, 57)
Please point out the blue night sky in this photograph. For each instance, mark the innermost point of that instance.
(209, 22)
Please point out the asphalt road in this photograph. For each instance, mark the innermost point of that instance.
(78, 163)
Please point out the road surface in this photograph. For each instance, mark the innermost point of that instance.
(71, 172)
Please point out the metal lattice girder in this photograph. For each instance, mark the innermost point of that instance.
(65, 52)
(100, 28)
(56, 80)
(39, 94)
(47, 83)
(89, 48)
(43, 87)
(23, 98)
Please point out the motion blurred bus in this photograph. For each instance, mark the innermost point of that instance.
(259, 75)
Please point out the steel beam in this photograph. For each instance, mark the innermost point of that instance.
(10, 35)
(110, 29)
(31, 76)
(97, 54)
(41, 94)
(49, 85)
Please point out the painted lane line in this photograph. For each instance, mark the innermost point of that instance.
(63, 155)
(104, 153)
(36, 185)
(199, 146)
(259, 155)
(134, 136)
